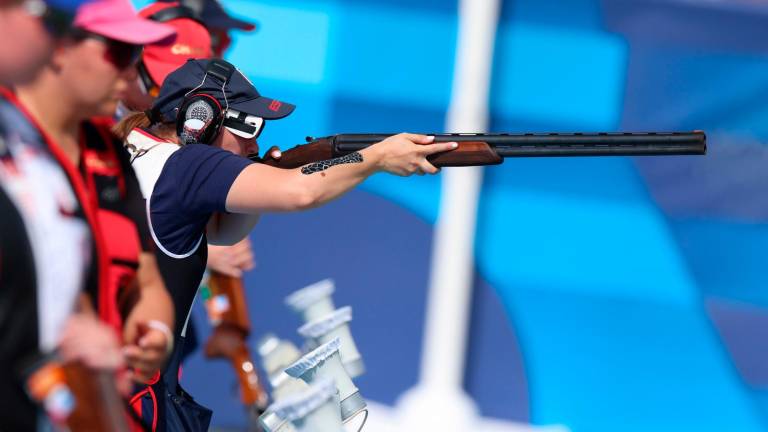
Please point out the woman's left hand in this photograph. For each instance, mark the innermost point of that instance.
(148, 354)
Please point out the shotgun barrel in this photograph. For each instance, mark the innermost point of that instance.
(560, 144)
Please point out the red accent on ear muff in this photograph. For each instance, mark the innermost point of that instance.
(203, 107)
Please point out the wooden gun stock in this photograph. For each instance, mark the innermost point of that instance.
(469, 153)
(98, 406)
(235, 314)
(228, 340)
(314, 151)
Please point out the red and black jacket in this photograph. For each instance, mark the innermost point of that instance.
(121, 216)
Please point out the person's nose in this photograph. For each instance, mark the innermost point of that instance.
(130, 73)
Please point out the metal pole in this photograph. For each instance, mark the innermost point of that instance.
(452, 271)
(438, 402)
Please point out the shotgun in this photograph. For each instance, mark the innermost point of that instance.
(228, 313)
(491, 149)
(77, 398)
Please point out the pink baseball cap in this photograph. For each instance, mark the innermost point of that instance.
(118, 20)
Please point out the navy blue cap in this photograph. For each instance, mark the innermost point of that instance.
(66, 5)
(214, 16)
(195, 76)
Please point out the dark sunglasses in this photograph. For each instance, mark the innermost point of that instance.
(56, 21)
(121, 54)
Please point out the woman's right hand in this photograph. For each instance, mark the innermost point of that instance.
(231, 260)
(406, 154)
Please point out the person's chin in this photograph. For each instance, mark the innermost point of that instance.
(108, 109)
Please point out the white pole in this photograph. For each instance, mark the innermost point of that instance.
(438, 402)
(452, 271)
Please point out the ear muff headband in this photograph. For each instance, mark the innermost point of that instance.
(175, 12)
(148, 84)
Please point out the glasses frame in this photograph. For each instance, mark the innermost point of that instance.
(232, 122)
(115, 48)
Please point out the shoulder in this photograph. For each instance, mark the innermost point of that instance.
(139, 143)
(202, 150)
(148, 155)
(203, 154)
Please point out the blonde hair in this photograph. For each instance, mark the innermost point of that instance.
(140, 120)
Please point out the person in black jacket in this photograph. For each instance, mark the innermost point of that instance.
(47, 253)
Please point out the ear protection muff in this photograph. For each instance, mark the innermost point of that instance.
(199, 120)
(201, 116)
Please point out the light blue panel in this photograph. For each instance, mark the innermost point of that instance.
(393, 54)
(285, 59)
(290, 44)
(554, 75)
(139, 4)
(761, 399)
(582, 14)
(601, 364)
(421, 195)
(580, 245)
(309, 119)
(603, 178)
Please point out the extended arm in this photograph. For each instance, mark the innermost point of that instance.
(260, 188)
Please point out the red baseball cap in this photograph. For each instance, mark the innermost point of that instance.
(163, 57)
(117, 19)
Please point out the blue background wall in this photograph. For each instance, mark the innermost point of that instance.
(614, 294)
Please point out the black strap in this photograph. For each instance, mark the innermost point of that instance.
(220, 69)
(175, 12)
(146, 79)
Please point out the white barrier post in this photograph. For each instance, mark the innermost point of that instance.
(438, 402)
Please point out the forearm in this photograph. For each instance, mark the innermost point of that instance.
(327, 180)
(262, 188)
(154, 304)
(259, 188)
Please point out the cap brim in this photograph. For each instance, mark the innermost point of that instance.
(266, 108)
(228, 22)
(215, 16)
(133, 30)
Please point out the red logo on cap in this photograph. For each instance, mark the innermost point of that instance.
(275, 105)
